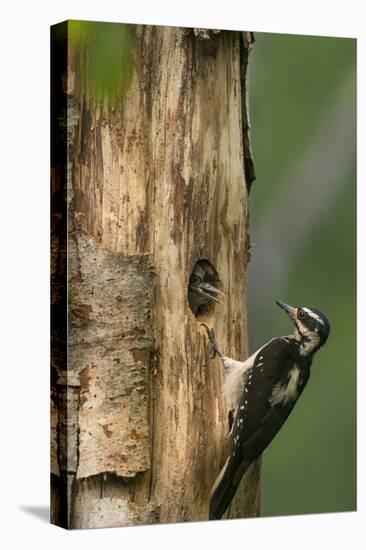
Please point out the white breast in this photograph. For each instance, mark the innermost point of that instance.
(284, 392)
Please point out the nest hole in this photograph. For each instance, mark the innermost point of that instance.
(204, 290)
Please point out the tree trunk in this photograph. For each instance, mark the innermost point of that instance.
(139, 423)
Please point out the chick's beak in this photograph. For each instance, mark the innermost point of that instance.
(206, 289)
(291, 311)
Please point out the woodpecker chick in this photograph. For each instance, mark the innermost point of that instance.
(202, 286)
(262, 392)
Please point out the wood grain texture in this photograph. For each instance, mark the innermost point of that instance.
(152, 187)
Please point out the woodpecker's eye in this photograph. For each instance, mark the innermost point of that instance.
(301, 314)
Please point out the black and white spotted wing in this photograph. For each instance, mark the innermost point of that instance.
(258, 417)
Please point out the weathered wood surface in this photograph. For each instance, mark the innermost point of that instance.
(152, 188)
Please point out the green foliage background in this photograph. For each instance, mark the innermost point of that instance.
(299, 87)
(105, 57)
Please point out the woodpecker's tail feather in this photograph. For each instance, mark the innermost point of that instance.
(225, 487)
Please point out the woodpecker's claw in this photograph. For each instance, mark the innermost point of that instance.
(214, 349)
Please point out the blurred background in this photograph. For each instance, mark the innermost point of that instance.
(303, 234)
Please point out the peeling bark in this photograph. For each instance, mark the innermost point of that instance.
(139, 425)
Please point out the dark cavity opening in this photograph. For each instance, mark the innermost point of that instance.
(204, 288)
(230, 418)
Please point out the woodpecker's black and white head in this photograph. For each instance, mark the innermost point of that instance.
(202, 286)
(311, 327)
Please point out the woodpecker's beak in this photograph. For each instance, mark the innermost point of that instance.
(291, 311)
(205, 289)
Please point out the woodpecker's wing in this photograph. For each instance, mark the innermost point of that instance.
(259, 417)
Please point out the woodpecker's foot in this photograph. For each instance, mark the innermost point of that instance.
(213, 345)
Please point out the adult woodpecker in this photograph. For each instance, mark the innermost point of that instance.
(202, 285)
(262, 392)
